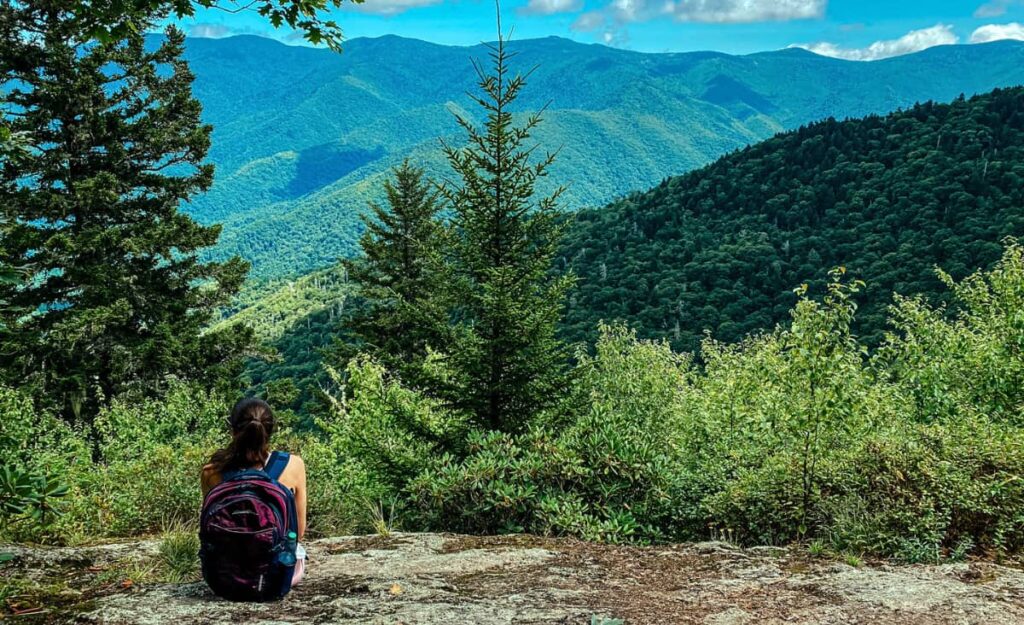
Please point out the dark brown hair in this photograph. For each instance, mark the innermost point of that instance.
(252, 423)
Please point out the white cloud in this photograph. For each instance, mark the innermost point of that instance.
(389, 7)
(634, 10)
(746, 11)
(550, 7)
(716, 11)
(589, 21)
(612, 18)
(996, 32)
(210, 31)
(914, 41)
(994, 8)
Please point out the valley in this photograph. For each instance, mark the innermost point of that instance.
(303, 137)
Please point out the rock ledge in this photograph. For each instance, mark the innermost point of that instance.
(455, 580)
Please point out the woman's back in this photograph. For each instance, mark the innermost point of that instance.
(238, 525)
(293, 477)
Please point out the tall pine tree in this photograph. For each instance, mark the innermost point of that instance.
(397, 318)
(113, 144)
(504, 363)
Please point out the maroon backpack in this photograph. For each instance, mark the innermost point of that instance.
(247, 534)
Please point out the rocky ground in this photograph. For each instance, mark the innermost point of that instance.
(440, 579)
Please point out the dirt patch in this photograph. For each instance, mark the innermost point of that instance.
(361, 543)
(457, 542)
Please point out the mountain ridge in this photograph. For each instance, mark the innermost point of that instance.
(392, 37)
(303, 137)
(718, 251)
(889, 197)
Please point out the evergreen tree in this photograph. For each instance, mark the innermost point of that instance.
(398, 318)
(503, 364)
(114, 142)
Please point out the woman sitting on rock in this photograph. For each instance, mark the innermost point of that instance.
(254, 511)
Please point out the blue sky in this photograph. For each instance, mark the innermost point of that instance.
(853, 29)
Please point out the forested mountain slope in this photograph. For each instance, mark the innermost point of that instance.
(302, 137)
(890, 198)
(294, 320)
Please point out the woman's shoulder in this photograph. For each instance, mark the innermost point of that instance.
(296, 461)
(295, 470)
(292, 456)
(208, 477)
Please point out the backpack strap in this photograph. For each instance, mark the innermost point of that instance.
(227, 476)
(276, 464)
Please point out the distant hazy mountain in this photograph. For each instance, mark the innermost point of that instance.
(303, 136)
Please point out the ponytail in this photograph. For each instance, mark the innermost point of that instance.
(252, 424)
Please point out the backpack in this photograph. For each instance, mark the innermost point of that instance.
(247, 534)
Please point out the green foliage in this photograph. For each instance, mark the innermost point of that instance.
(11, 277)
(34, 449)
(576, 483)
(338, 487)
(295, 321)
(817, 548)
(986, 337)
(399, 316)
(109, 468)
(116, 297)
(501, 363)
(179, 555)
(888, 197)
(794, 434)
(468, 329)
(108, 21)
(107, 471)
(789, 435)
(395, 432)
(273, 310)
(29, 495)
(720, 249)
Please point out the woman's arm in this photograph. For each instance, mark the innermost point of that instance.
(206, 481)
(300, 494)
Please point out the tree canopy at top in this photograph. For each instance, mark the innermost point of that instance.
(113, 19)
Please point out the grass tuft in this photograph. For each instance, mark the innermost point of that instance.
(179, 555)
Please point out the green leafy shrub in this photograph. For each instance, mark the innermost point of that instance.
(137, 470)
(933, 489)
(915, 452)
(27, 494)
(150, 453)
(36, 452)
(337, 487)
(134, 471)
